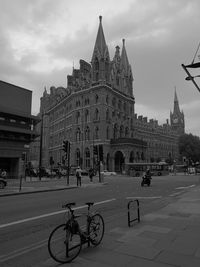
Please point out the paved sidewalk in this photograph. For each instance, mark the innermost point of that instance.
(34, 185)
(168, 237)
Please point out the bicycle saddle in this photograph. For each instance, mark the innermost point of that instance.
(89, 203)
(69, 204)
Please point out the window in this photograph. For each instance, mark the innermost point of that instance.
(121, 131)
(115, 134)
(127, 132)
(96, 98)
(107, 99)
(96, 133)
(78, 157)
(78, 118)
(131, 159)
(87, 133)
(107, 133)
(78, 135)
(87, 157)
(96, 115)
(107, 115)
(119, 104)
(114, 101)
(96, 64)
(87, 115)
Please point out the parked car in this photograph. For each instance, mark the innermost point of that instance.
(3, 182)
(47, 172)
(105, 172)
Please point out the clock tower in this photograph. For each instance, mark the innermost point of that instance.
(177, 117)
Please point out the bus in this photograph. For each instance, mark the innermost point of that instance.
(156, 168)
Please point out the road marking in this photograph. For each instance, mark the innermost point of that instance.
(175, 194)
(23, 250)
(51, 214)
(185, 187)
(144, 197)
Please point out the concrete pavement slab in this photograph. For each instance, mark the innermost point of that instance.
(138, 250)
(106, 256)
(178, 259)
(147, 263)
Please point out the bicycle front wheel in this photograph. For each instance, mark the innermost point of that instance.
(96, 229)
(64, 246)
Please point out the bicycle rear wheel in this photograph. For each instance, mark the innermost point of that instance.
(96, 229)
(64, 246)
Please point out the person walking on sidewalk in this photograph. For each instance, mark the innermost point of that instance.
(91, 174)
(78, 176)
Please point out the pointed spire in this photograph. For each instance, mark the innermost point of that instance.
(100, 44)
(124, 58)
(45, 91)
(176, 104)
(175, 96)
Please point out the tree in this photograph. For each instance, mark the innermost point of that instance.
(189, 147)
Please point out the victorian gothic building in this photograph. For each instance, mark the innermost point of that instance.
(98, 108)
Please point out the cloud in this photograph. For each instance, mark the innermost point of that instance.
(42, 39)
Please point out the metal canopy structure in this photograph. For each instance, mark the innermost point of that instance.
(193, 65)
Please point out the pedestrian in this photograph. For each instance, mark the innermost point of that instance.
(78, 176)
(91, 174)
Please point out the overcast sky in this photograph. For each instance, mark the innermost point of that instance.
(40, 40)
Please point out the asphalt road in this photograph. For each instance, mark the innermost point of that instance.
(27, 220)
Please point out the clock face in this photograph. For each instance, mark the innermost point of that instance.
(175, 120)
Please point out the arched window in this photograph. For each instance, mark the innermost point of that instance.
(96, 114)
(131, 159)
(119, 104)
(87, 133)
(107, 99)
(78, 135)
(78, 157)
(114, 101)
(108, 133)
(107, 115)
(87, 157)
(96, 64)
(142, 156)
(78, 118)
(115, 133)
(96, 98)
(121, 131)
(97, 133)
(87, 115)
(107, 69)
(126, 132)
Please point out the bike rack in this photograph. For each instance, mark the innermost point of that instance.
(138, 212)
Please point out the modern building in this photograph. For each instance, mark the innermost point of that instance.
(17, 128)
(98, 108)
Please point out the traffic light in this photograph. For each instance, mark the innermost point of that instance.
(101, 152)
(24, 156)
(95, 150)
(65, 146)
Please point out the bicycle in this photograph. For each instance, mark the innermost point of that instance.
(65, 241)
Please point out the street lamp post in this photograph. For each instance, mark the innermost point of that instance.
(41, 140)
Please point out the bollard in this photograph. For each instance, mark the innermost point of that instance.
(138, 212)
